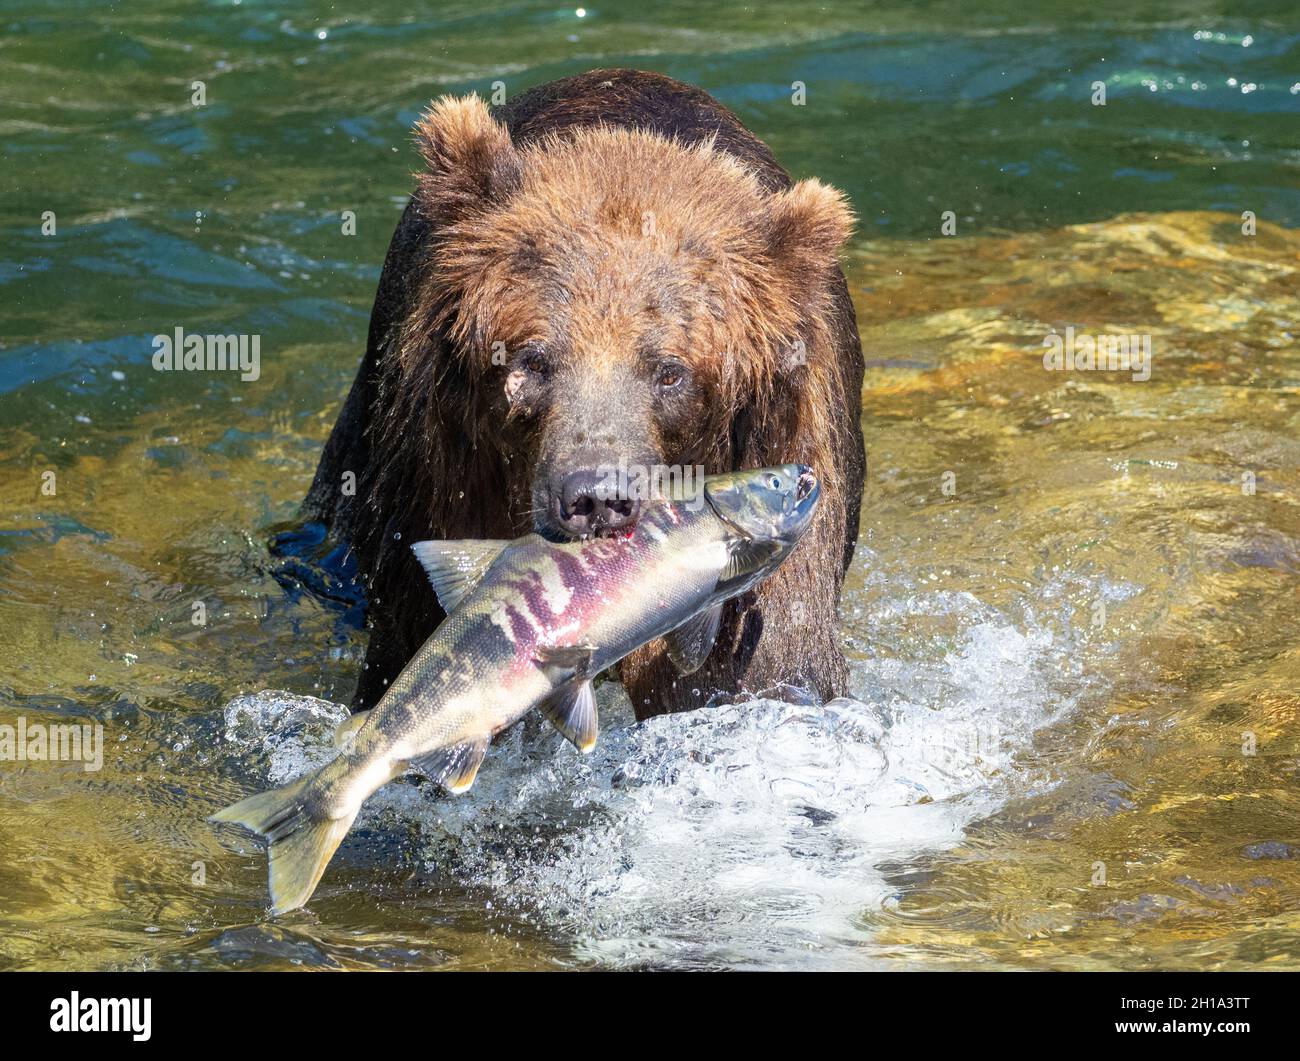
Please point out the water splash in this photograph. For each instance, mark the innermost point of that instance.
(737, 835)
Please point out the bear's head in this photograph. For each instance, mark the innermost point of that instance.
(616, 300)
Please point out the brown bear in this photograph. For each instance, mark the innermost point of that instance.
(610, 270)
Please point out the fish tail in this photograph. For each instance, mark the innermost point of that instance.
(300, 840)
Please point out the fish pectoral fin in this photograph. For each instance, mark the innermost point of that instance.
(572, 710)
(456, 567)
(559, 659)
(455, 766)
(350, 727)
(747, 556)
(690, 644)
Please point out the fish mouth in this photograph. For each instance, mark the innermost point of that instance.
(807, 483)
(784, 525)
(807, 490)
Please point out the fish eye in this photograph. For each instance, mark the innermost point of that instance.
(774, 482)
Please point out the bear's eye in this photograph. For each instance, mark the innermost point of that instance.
(671, 374)
(536, 362)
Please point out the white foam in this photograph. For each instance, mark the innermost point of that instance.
(745, 834)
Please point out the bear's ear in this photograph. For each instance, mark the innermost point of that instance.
(470, 161)
(808, 224)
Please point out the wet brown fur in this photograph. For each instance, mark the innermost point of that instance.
(541, 237)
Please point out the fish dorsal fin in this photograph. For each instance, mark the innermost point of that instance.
(690, 644)
(572, 710)
(350, 727)
(747, 557)
(455, 567)
(455, 766)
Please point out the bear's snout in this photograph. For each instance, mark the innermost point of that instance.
(584, 503)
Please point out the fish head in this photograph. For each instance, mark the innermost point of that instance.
(767, 509)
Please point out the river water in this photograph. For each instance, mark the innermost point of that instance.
(1072, 740)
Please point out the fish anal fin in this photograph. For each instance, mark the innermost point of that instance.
(572, 710)
(455, 766)
(350, 727)
(690, 644)
(456, 567)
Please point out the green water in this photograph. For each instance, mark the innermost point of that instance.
(1003, 742)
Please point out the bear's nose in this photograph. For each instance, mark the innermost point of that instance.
(588, 505)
